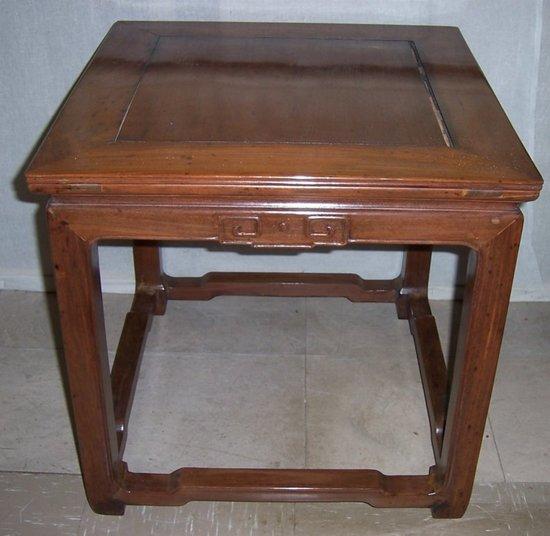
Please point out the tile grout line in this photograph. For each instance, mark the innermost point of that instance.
(9, 347)
(156, 352)
(42, 473)
(81, 528)
(496, 448)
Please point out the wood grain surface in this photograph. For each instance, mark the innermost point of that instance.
(283, 136)
(198, 108)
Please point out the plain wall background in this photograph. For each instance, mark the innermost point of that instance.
(44, 45)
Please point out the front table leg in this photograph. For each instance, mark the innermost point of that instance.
(489, 282)
(85, 352)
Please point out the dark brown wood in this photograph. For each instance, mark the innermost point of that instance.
(149, 277)
(125, 371)
(204, 69)
(282, 136)
(85, 351)
(415, 275)
(487, 226)
(110, 218)
(433, 369)
(150, 299)
(349, 286)
(277, 485)
(412, 304)
(451, 139)
(490, 277)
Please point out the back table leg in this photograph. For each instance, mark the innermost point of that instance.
(85, 352)
(150, 299)
(414, 277)
(412, 304)
(149, 274)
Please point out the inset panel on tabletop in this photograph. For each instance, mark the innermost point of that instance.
(286, 110)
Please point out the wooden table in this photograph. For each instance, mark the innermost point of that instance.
(283, 136)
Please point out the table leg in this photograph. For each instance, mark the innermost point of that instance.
(149, 274)
(149, 299)
(414, 277)
(446, 489)
(85, 353)
(489, 282)
(412, 304)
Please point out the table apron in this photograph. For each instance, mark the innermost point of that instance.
(288, 228)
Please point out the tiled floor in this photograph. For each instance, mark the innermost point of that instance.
(270, 382)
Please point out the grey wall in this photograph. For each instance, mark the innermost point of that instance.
(45, 43)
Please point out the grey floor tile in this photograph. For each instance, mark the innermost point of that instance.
(31, 319)
(115, 307)
(263, 325)
(520, 416)
(336, 326)
(523, 439)
(40, 504)
(35, 428)
(231, 325)
(527, 333)
(365, 405)
(48, 447)
(521, 395)
(493, 510)
(367, 408)
(367, 413)
(489, 467)
(28, 320)
(44, 505)
(223, 384)
(194, 519)
(230, 410)
(447, 316)
(520, 404)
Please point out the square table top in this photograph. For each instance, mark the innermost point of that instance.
(178, 108)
